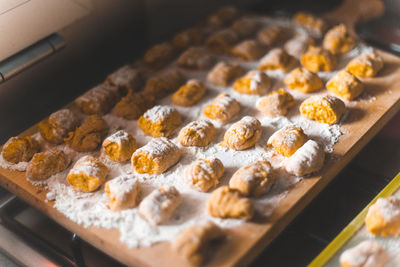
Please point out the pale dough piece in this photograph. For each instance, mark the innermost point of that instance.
(277, 59)
(345, 85)
(193, 242)
(119, 146)
(324, 109)
(222, 109)
(224, 72)
(203, 174)
(20, 149)
(276, 103)
(197, 133)
(87, 174)
(225, 202)
(189, 94)
(287, 140)
(98, 100)
(57, 126)
(365, 65)
(313, 24)
(254, 179)
(160, 121)
(307, 159)
(222, 41)
(303, 80)
(254, 82)
(366, 254)
(122, 192)
(383, 217)
(160, 205)
(338, 41)
(248, 50)
(243, 134)
(159, 55)
(298, 45)
(318, 59)
(47, 163)
(196, 58)
(164, 83)
(272, 35)
(155, 157)
(127, 78)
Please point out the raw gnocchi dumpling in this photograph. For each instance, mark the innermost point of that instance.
(204, 173)
(222, 109)
(323, 109)
(159, 55)
(287, 140)
(133, 105)
(189, 93)
(226, 202)
(47, 163)
(119, 146)
(122, 193)
(57, 126)
(243, 134)
(98, 100)
(224, 73)
(366, 254)
(307, 159)
(276, 103)
(338, 41)
(248, 50)
(160, 205)
(272, 35)
(345, 85)
(318, 59)
(196, 58)
(277, 59)
(163, 83)
(303, 80)
(155, 157)
(222, 41)
(197, 133)
(383, 217)
(254, 82)
(160, 121)
(87, 174)
(253, 180)
(245, 27)
(365, 65)
(313, 24)
(20, 149)
(126, 78)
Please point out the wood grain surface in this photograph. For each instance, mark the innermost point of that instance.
(245, 242)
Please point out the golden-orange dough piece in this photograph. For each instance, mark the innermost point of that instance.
(345, 85)
(122, 193)
(160, 121)
(164, 83)
(318, 59)
(314, 25)
(133, 105)
(89, 135)
(245, 27)
(277, 59)
(222, 109)
(226, 202)
(20, 149)
(253, 180)
(204, 173)
(303, 80)
(160, 205)
(383, 217)
(287, 140)
(243, 134)
(189, 93)
(224, 72)
(196, 58)
(159, 55)
(324, 109)
(47, 163)
(87, 174)
(119, 146)
(276, 103)
(56, 127)
(155, 157)
(197, 133)
(222, 41)
(248, 50)
(193, 242)
(126, 77)
(298, 45)
(254, 82)
(272, 35)
(365, 65)
(98, 100)
(338, 41)
(366, 254)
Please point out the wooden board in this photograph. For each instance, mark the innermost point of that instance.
(246, 241)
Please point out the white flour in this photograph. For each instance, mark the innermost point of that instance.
(90, 209)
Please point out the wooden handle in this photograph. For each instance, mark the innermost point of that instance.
(351, 12)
